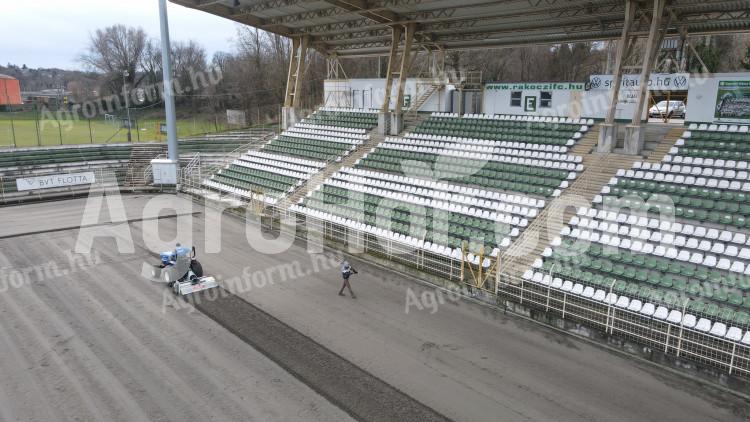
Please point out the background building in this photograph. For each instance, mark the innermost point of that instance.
(10, 91)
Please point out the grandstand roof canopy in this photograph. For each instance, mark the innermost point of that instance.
(361, 27)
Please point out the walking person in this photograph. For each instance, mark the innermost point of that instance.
(346, 271)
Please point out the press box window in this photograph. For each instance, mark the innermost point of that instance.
(546, 99)
(515, 99)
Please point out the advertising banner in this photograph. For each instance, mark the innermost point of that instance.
(657, 82)
(54, 181)
(733, 101)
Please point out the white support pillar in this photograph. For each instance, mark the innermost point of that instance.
(635, 132)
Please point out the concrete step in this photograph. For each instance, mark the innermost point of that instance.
(664, 145)
(599, 168)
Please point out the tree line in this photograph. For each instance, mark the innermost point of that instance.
(252, 76)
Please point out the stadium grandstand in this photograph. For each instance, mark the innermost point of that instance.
(462, 188)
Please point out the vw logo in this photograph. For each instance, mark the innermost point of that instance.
(596, 82)
(680, 81)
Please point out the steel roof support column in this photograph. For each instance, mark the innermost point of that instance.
(294, 81)
(397, 122)
(608, 131)
(634, 133)
(291, 76)
(301, 66)
(406, 56)
(396, 32)
(384, 117)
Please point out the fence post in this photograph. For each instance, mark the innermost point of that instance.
(36, 122)
(12, 127)
(549, 287)
(731, 361)
(565, 302)
(682, 323)
(91, 135)
(522, 289)
(59, 129)
(609, 305)
(497, 274)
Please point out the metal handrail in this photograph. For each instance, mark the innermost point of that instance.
(228, 157)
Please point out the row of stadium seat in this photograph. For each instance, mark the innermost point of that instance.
(486, 149)
(487, 142)
(706, 127)
(14, 159)
(360, 119)
(495, 128)
(516, 117)
(510, 171)
(344, 129)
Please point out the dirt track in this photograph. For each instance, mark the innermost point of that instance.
(95, 344)
(90, 341)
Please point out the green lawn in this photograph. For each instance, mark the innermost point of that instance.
(95, 131)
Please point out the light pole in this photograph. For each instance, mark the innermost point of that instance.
(125, 74)
(172, 145)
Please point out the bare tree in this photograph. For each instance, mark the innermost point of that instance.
(116, 49)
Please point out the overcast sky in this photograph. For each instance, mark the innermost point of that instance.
(53, 33)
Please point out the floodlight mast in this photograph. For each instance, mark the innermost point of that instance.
(173, 152)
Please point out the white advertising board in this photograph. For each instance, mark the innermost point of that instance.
(657, 81)
(54, 181)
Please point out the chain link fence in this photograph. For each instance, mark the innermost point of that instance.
(43, 127)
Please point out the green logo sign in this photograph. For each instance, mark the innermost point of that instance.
(529, 103)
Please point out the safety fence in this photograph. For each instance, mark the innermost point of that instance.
(20, 129)
(658, 334)
(655, 333)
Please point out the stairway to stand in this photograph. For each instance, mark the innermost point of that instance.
(140, 158)
(598, 169)
(666, 143)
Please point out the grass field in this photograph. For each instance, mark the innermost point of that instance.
(24, 130)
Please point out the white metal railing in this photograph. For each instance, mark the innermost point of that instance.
(193, 165)
(232, 155)
(196, 168)
(465, 77)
